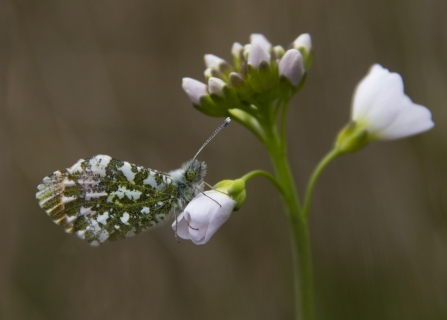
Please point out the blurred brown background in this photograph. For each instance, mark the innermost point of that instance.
(79, 78)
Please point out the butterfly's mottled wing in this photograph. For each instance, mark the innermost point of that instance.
(101, 198)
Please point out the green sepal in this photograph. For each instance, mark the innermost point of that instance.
(352, 138)
(248, 121)
(231, 99)
(214, 73)
(209, 108)
(277, 53)
(233, 188)
(266, 76)
(286, 89)
(254, 79)
(225, 68)
(241, 88)
(308, 57)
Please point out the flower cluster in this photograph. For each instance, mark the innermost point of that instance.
(260, 73)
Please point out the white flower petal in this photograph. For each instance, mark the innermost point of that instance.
(194, 89)
(182, 227)
(257, 55)
(379, 103)
(414, 120)
(261, 40)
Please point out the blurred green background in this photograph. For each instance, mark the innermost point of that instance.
(79, 78)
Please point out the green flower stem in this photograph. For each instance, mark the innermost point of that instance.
(264, 127)
(313, 179)
(283, 122)
(249, 122)
(265, 174)
(304, 291)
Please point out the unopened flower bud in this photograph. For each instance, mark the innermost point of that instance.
(246, 52)
(257, 55)
(236, 80)
(304, 41)
(235, 189)
(291, 67)
(304, 44)
(194, 89)
(214, 73)
(216, 86)
(237, 51)
(278, 52)
(203, 216)
(214, 62)
(260, 40)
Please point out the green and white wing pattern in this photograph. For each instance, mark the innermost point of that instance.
(102, 198)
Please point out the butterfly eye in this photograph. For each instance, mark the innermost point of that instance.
(190, 175)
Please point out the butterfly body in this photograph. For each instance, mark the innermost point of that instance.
(101, 198)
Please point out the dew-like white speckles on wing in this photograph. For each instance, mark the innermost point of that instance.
(101, 198)
(126, 169)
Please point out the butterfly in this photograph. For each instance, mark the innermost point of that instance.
(101, 198)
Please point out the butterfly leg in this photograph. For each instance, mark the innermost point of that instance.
(211, 187)
(176, 224)
(190, 226)
(209, 196)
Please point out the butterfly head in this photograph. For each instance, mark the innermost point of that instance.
(194, 171)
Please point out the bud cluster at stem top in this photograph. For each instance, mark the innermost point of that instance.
(259, 74)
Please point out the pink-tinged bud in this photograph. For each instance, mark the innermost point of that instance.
(194, 89)
(203, 216)
(216, 63)
(257, 55)
(261, 41)
(291, 66)
(215, 86)
(213, 61)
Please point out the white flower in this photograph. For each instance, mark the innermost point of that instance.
(291, 66)
(381, 107)
(194, 89)
(203, 216)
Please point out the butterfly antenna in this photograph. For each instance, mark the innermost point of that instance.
(223, 125)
